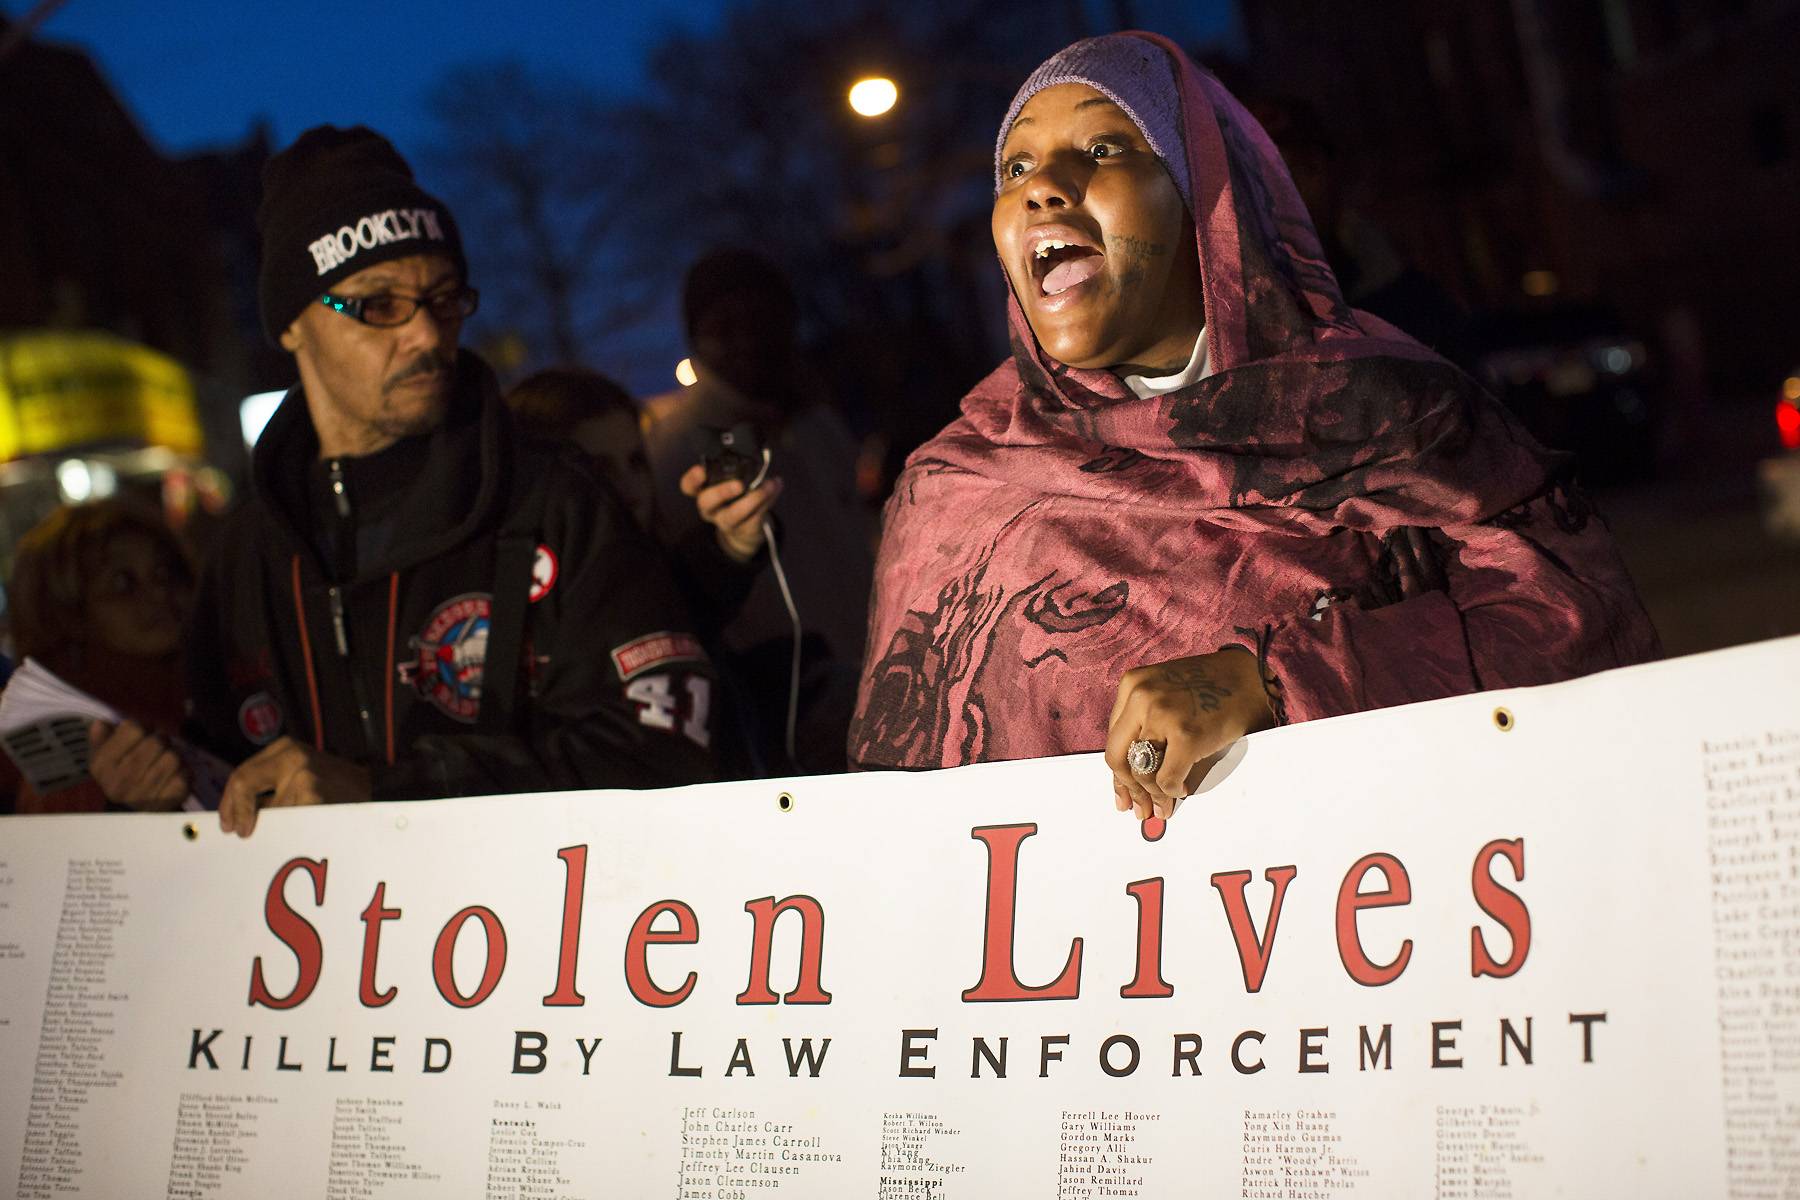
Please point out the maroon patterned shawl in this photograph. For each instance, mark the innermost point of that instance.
(1333, 496)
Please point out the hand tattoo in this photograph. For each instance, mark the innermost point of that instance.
(1199, 682)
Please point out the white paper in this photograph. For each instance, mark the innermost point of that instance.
(44, 729)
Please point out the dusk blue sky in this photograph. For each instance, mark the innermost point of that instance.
(201, 73)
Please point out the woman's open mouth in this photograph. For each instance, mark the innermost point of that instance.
(1061, 259)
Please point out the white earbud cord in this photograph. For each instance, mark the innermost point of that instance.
(787, 596)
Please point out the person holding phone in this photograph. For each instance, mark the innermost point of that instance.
(752, 384)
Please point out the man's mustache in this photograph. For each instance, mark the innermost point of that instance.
(428, 363)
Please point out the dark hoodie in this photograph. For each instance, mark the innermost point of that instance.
(366, 627)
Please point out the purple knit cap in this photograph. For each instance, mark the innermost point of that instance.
(1134, 74)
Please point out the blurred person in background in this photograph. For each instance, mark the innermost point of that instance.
(741, 320)
(581, 407)
(99, 595)
(599, 417)
(416, 603)
(1205, 495)
(1369, 267)
(715, 561)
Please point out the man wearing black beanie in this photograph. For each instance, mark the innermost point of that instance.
(414, 603)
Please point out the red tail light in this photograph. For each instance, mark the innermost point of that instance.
(1787, 420)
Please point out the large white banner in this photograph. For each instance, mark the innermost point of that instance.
(1529, 943)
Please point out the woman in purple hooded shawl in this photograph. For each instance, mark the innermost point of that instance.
(1204, 495)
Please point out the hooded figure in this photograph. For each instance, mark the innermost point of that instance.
(1315, 515)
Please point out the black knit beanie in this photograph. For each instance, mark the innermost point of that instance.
(335, 202)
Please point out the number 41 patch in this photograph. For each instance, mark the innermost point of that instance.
(659, 707)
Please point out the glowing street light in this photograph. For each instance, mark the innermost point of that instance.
(684, 373)
(874, 96)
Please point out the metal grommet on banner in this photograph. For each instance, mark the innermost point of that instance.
(785, 802)
(1504, 720)
(191, 831)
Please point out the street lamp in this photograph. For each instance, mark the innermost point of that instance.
(873, 96)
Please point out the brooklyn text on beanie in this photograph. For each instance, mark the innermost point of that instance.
(376, 229)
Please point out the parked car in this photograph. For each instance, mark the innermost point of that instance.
(1580, 381)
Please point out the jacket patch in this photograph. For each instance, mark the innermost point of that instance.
(448, 656)
(543, 573)
(655, 650)
(259, 719)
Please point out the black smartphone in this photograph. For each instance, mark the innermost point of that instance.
(734, 453)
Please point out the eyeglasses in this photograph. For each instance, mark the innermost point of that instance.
(387, 309)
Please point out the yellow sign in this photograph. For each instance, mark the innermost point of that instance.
(61, 390)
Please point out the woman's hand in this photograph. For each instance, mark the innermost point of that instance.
(134, 767)
(1191, 709)
(736, 517)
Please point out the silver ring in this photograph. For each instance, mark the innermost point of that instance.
(1144, 757)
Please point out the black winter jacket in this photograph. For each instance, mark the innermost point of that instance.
(385, 655)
